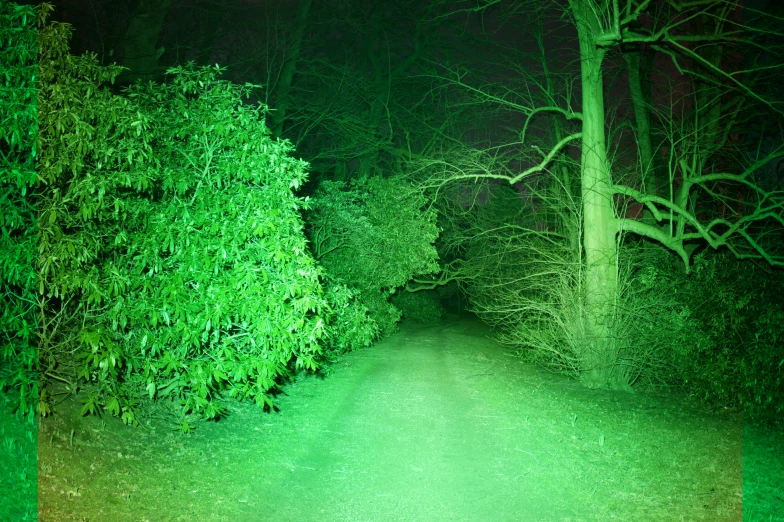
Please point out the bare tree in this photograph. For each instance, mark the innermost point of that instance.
(698, 38)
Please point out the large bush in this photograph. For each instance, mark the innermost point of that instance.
(173, 260)
(716, 332)
(18, 224)
(740, 306)
(374, 236)
(349, 326)
(222, 294)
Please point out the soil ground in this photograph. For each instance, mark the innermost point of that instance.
(431, 424)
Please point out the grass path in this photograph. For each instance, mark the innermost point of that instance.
(432, 424)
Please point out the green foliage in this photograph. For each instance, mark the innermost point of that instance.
(90, 146)
(220, 292)
(18, 224)
(375, 233)
(422, 307)
(373, 236)
(173, 259)
(654, 324)
(349, 326)
(716, 331)
(741, 308)
(381, 311)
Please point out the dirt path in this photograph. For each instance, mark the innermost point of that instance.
(432, 424)
(416, 433)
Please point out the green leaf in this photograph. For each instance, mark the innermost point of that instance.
(113, 406)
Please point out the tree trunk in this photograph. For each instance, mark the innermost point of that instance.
(643, 122)
(599, 352)
(289, 68)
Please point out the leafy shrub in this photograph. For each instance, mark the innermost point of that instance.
(18, 223)
(740, 306)
(373, 236)
(716, 331)
(89, 145)
(762, 370)
(222, 295)
(658, 324)
(422, 307)
(349, 326)
(384, 314)
(173, 259)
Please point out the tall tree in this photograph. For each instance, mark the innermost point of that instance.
(697, 37)
(289, 68)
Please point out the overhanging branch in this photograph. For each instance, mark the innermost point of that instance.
(547, 159)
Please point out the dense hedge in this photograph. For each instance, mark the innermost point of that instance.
(350, 326)
(716, 332)
(18, 224)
